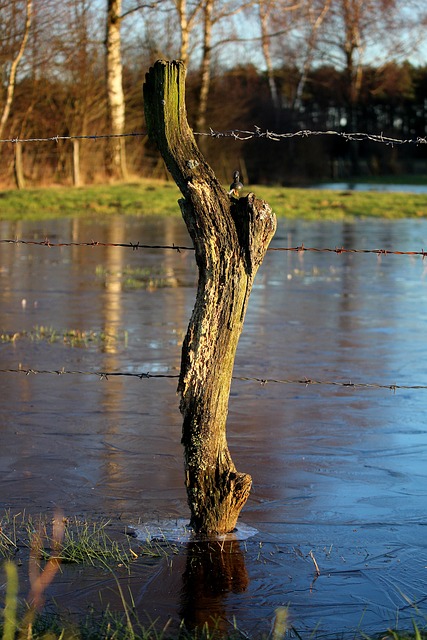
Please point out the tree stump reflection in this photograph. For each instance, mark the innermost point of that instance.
(213, 570)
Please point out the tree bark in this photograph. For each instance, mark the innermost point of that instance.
(76, 163)
(230, 239)
(18, 166)
(181, 6)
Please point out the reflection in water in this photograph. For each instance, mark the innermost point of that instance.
(337, 471)
(213, 570)
(113, 308)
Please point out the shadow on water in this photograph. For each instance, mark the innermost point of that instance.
(339, 473)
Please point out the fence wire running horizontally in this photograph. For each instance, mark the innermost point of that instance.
(174, 247)
(146, 375)
(242, 135)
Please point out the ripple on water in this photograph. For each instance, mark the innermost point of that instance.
(178, 530)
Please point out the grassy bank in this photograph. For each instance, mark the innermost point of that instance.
(160, 198)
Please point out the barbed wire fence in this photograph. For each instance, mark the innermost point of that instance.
(146, 375)
(238, 135)
(241, 135)
(178, 248)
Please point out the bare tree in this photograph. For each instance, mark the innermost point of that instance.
(314, 14)
(16, 23)
(205, 71)
(187, 17)
(354, 29)
(264, 9)
(289, 32)
(78, 52)
(214, 12)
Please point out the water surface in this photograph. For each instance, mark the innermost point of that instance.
(372, 186)
(339, 474)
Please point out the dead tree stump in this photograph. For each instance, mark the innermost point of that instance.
(230, 239)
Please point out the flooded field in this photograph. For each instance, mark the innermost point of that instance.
(367, 186)
(339, 473)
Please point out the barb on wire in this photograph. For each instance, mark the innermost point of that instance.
(138, 245)
(105, 375)
(96, 243)
(59, 138)
(242, 135)
(357, 136)
(310, 381)
(102, 375)
(339, 250)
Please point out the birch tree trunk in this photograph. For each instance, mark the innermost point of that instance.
(263, 12)
(230, 239)
(76, 163)
(116, 154)
(205, 79)
(11, 81)
(18, 166)
(181, 7)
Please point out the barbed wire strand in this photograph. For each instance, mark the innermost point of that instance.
(241, 135)
(95, 243)
(58, 138)
(105, 375)
(137, 245)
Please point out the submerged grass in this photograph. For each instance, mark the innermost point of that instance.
(154, 197)
(29, 622)
(82, 542)
(69, 337)
(90, 544)
(147, 278)
(76, 541)
(53, 542)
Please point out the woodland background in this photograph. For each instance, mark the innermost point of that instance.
(76, 68)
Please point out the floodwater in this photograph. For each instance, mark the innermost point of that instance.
(368, 186)
(339, 473)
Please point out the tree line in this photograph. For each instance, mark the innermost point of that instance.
(76, 68)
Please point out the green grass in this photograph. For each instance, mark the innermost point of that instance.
(142, 198)
(150, 197)
(51, 543)
(48, 544)
(149, 278)
(93, 543)
(316, 204)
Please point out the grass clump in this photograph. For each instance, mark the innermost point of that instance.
(51, 545)
(88, 544)
(147, 278)
(82, 542)
(70, 337)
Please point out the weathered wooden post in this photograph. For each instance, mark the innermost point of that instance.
(230, 239)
